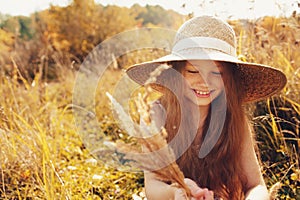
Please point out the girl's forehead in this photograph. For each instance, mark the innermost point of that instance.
(208, 64)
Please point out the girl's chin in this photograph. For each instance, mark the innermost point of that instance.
(202, 102)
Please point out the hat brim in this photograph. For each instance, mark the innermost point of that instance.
(259, 81)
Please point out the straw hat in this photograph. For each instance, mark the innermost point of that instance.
(210, 38)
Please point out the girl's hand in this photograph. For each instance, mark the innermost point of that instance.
(197, 192)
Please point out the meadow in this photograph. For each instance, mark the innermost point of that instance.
(43, 155)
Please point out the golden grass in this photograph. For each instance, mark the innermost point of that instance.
(42, 155)
(150, 151)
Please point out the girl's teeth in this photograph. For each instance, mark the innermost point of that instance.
(201, 92)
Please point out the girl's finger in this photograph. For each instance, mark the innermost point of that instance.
(209, 195)
(195, 189)
(180, 194)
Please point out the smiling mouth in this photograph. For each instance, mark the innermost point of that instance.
(200, 93)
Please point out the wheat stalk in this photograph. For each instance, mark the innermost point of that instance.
(154, 153)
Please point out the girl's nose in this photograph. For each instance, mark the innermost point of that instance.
(203, 79)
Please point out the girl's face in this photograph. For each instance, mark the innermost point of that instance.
(204, 80)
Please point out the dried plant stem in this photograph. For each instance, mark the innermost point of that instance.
(273, 190)
(156, 156)
(153, 154)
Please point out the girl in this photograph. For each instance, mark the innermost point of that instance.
(202, 111)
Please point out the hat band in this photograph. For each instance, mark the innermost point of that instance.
(204, 42)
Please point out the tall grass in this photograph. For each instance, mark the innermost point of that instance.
(276, 120)
(42, 156)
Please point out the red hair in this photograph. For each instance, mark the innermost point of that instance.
(220, 170)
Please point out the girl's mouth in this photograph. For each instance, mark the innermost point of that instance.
(202, 93)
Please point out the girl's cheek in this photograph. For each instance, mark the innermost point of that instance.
(217, 81)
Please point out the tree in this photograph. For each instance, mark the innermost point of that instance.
(158, 16)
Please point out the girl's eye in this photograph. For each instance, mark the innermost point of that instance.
(192, 71)
(217, 73)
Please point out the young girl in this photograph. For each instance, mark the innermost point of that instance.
(201, 107)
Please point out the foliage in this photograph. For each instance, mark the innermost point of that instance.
(277, 124)
(275, 42)
(20, 25)
(42, 155)
(156, 15)
(6, 44)
(63, 35)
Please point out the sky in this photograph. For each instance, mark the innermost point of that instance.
(220, 8)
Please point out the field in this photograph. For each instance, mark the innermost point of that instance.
(42, 152)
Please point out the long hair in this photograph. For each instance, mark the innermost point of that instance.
(220, 170)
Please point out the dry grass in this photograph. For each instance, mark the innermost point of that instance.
(42, 156)
(150, 151)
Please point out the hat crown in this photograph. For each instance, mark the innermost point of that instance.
(207, 26)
